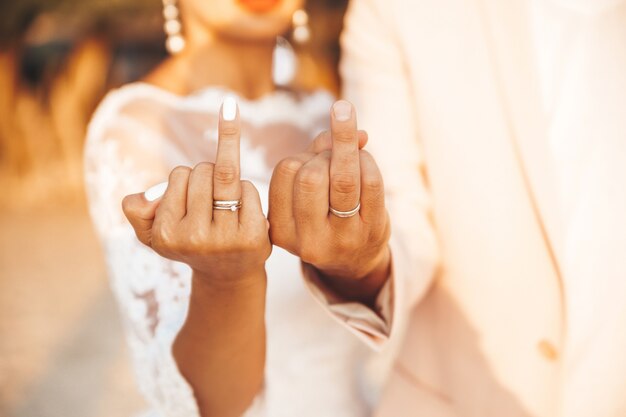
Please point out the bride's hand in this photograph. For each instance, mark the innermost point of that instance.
(328, 208)
(183, 224)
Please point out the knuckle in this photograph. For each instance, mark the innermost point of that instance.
(364, 153)
(145, 238)
(248, 187)
(310, 179)
(310, 251)
(322, 140)
(162, 239)
(180, 171)
(344, 135)
(276, 236)
(127, 206)
(226, 173)
(344, 183)
(289, 167)
(380, 234)
(309, 254)
(197, 239)
(279, 231)
(323, 135)
(327, 155)
(204, 167)
(228, 131)
(348, 159)
(373, 182)
(281, 241)
(250, 193)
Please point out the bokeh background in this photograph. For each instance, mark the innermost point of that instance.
(62, 352)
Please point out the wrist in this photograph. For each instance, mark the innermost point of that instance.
(209, 295)
(363, 287)
(359, 269)
(203, 282)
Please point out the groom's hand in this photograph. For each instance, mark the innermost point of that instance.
(327, 206)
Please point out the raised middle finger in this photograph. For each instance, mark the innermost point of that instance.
(226, 173)
(344, 163)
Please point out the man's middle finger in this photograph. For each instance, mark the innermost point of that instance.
(344, 164)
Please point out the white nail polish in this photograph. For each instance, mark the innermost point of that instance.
(229, 108)
(156, 191)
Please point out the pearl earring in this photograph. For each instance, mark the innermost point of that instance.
(173, 28)
(301, 31)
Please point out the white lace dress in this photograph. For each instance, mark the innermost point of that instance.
(138, 134)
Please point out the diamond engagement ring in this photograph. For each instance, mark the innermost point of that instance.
(345, 214)
(232, 205)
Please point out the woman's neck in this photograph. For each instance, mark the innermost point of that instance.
(207, 60)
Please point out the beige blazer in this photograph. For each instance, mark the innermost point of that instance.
(500, 129)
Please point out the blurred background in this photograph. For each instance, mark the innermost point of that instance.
(62, 351)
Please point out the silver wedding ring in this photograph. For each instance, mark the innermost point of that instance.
(345, 214)
(232, 205)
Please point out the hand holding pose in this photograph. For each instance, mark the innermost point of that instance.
(328, 208)
(211, 220)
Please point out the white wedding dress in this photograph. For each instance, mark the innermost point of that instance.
(139, 133)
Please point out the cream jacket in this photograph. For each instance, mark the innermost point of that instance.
(500, 129)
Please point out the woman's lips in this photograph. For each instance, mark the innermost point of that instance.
(258, 6)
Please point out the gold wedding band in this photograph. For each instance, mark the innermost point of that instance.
(232, 205)
(345, 214)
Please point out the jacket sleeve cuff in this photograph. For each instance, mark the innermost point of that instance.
(372, 326)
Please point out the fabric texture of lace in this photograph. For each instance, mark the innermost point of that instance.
(138, 134)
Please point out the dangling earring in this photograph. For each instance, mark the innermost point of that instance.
(285, 60)
(284, 63)
(173, 28)
(301, 31)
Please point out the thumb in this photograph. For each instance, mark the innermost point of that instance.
(140, 210)
(324, 142)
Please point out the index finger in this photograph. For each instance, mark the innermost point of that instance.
(344, 163)
(140, 211)
(226, 184)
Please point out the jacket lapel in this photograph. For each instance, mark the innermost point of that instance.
(507, 32)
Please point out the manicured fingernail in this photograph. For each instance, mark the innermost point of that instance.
(156, 191)
(229, 108)
(342, 110)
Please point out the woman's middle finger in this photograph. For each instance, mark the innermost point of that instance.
(226, 173)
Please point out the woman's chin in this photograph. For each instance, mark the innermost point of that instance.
(255, 29)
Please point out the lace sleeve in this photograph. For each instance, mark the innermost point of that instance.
(122, 158)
